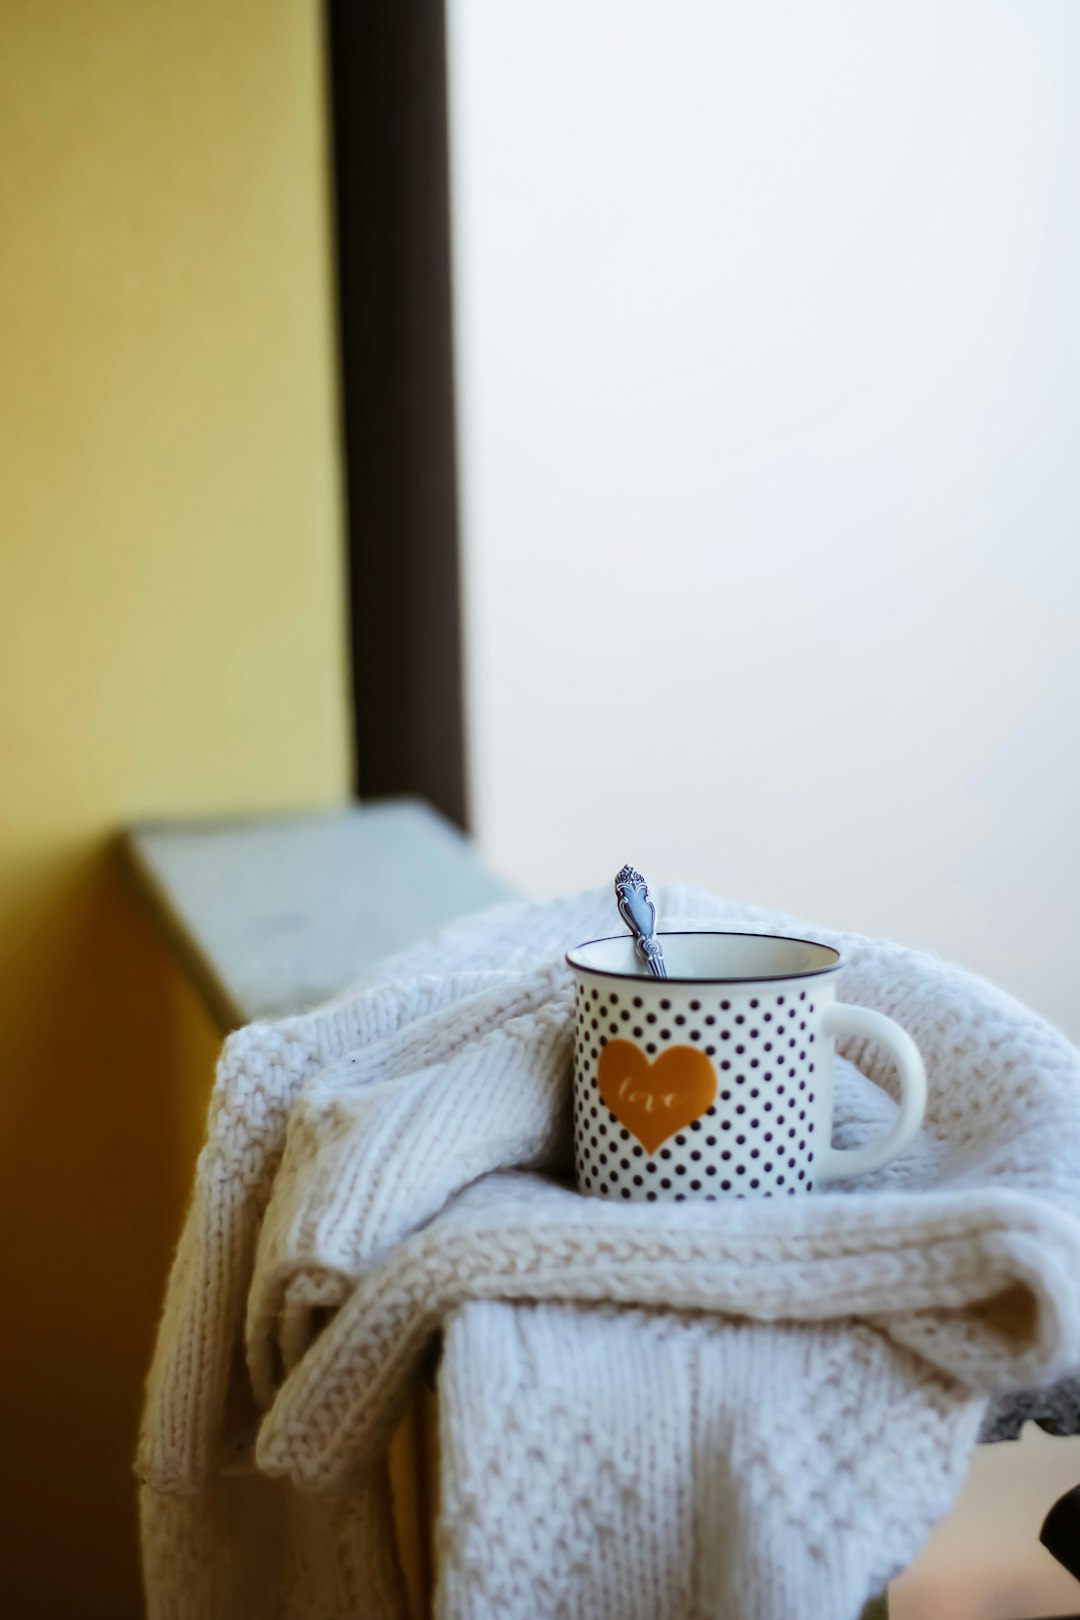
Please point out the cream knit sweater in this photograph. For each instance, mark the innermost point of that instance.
(746, 1410)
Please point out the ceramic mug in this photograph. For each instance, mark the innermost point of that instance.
(717, 1081)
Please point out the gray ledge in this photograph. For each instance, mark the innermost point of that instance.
(274, 915)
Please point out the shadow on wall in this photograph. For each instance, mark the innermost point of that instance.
(106, 1058)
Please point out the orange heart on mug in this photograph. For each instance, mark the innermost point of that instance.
(655, 1100)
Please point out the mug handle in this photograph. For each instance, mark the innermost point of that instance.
(843, 1019)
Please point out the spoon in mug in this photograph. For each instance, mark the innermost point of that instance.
(639, 914)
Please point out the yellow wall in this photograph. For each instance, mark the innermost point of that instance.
(171, 641)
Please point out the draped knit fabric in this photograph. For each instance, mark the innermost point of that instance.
(745, 1410)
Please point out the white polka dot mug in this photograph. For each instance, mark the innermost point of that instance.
(717, 1081)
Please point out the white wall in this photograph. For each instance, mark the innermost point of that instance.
(768, 323)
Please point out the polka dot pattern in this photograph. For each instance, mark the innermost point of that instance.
(761, 1135)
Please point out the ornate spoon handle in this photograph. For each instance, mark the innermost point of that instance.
(639, 914)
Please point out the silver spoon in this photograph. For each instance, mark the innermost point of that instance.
(639, 914)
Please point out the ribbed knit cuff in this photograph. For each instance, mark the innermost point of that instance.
(386, 1137)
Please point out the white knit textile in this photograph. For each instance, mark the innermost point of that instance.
(743, 1410)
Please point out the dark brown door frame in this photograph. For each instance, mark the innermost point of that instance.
(387, 72)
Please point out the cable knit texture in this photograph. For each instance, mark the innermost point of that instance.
(743, 1410)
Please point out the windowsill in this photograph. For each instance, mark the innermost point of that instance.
(274, 915)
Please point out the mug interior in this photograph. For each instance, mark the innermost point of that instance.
(706, 957)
